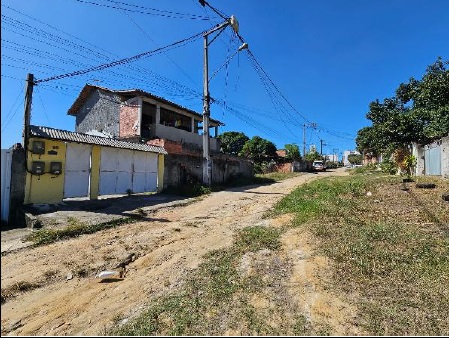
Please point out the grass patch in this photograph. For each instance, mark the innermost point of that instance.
(216, 297)
(389, 248)
(74, 229)
(195, 189)
(16, 288)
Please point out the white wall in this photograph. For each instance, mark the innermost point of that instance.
(445, 157)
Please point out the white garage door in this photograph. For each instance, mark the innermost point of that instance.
(77, 170)
(122, 170)
(144, 172)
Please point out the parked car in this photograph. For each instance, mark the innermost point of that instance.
(319, 166)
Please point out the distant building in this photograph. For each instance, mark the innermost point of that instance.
(281, 152)
(331, 158)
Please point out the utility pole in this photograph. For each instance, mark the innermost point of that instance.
(27, 113)
(313, 125)
(321, 147)
(304, 140)
(207, 163)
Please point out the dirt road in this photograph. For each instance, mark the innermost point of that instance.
(63, 297)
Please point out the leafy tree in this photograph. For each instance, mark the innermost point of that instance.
(259, 150)
(232, 142)
(292, 152)
(418, 113)
(355, 158)
(312, 156)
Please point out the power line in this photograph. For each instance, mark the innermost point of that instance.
(122, 61)
(149, 11)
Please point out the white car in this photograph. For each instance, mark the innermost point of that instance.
(319, 166)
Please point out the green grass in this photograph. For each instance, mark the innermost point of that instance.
(216, 296)
(195, 189)
(400, 271)
(74, 229)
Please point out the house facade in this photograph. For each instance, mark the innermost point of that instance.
(141, 117)
(138, 116)
(62, 164)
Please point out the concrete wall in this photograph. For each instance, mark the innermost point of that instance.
(445, 157)
(418, 152)
(182, 168)
(17, 188)
(224, 167)
(100, 112)
(184, 136)
(6, 183)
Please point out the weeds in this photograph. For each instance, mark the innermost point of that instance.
(16, 288)
(214, 294)
(74, 229)
(399, 270)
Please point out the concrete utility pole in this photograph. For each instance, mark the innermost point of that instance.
(207, 163)
(313, 125)
(27, 113)
(321, 147)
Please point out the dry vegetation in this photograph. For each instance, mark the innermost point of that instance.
(353, 255)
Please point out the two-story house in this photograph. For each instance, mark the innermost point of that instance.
(138, 116)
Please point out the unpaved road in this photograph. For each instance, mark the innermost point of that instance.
(67, 299)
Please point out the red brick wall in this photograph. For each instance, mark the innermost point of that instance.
(172, 147)
(129, 118)
(283, 167)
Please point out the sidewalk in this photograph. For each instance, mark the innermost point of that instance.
(84, 211)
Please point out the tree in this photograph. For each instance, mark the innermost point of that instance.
(418, 113)
(259, 150)
(292, 152)
(232, 142)
(355, 158)
(312, 156)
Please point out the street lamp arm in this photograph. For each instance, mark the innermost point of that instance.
(217, 27)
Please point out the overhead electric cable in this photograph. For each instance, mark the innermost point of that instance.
(122, 61)
(172, 15)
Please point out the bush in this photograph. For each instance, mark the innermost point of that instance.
(388, 167)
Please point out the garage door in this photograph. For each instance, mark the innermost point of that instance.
(122, 170)
(144, 172)
(77, 170)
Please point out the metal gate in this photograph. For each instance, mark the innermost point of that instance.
(144, 171)
(77, 170)
(123, 170)
(432, 159)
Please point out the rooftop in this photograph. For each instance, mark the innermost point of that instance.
(64, 135)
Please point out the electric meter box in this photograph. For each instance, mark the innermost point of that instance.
(38, 167)
(38, 147)
(56, 168)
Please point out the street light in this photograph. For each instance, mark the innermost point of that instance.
(207, 164)
(242, 47)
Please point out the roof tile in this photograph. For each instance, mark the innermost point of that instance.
(64, 135)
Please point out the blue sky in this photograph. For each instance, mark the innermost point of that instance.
(318, 62)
